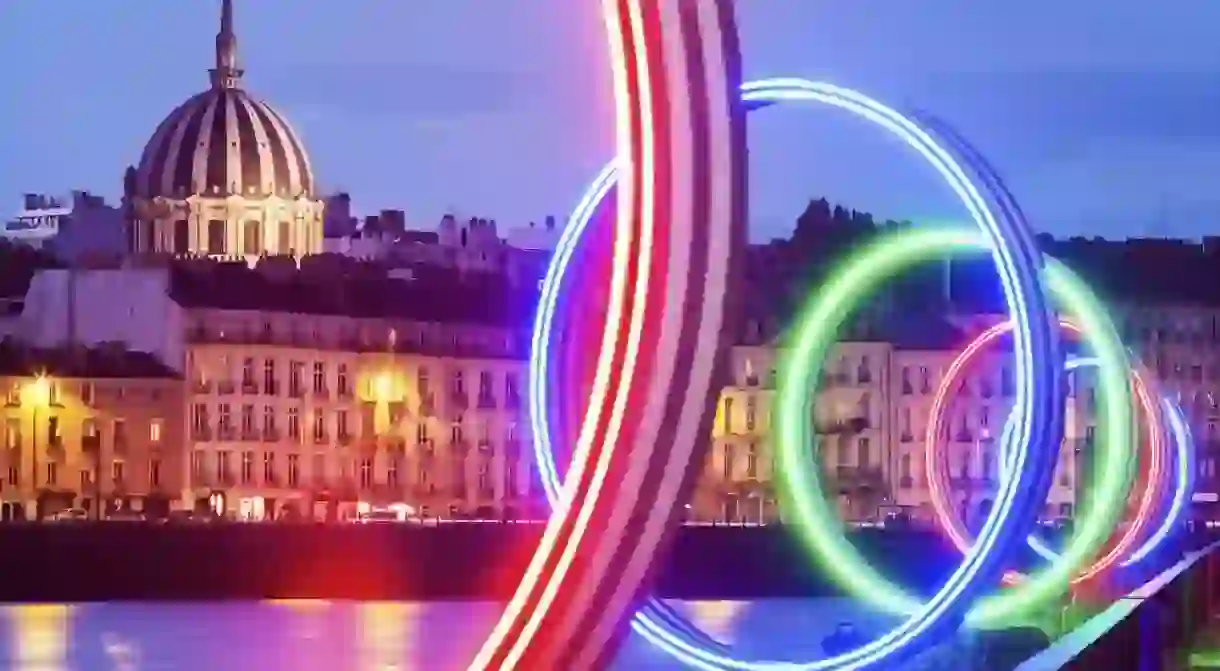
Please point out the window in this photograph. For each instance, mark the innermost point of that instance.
(284, 239)
(727, 463)
(752, 462)
(907, 387)
(216, 237)
(54, 434)
(182, 237)
(728, 416)
(86, 393)
(154, 473)
(252, 242)
(485, 385)
(864, 373)
(319, 377)
(268, 421)
(12, 434)
(247, 467)
(268, 467)
(294, 470)
(199, 418)
(366, 473)
(294, 423)
(319, 427)
(269, 377)
(14, 478)
(341, 428)
(484, 479)
(86, 480)
(421, 432)
(155, 428)
(247, 372)
(222, 467)
(118, 473)
(751, 413)
(247, 419)
(296, 378)
(863, 448)
(512, 390)
(422, 381)
(120, 434)
(391, 475)
(342, 382)
(197, 467)
(52, 473)
(225, 415)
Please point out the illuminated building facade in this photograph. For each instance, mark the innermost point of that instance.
(81, 425)
(380, 395)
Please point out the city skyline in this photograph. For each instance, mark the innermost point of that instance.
(451, 142)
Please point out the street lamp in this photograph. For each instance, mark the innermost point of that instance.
(36, 394)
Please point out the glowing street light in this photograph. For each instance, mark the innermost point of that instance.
(38, 392)
(38, 395)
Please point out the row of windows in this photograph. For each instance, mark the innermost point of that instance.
(50, 430)
(216, 469)
(374, 386)
(253, 240)
(265, 426)
(51, 472)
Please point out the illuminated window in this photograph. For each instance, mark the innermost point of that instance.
(155, 427)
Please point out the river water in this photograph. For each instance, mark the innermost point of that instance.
(336, 636)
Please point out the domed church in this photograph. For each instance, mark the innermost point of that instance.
(224, 175)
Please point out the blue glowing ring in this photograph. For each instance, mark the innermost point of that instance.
(1038, 375)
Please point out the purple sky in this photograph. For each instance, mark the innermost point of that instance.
(1104, 116)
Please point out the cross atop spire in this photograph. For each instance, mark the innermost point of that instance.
(226, 74)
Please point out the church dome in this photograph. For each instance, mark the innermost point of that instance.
(224, 141)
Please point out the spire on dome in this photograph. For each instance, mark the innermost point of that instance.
(226, 74)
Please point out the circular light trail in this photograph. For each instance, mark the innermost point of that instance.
(815, 332)
(656, 621)
(1183, 479)
(936, 459)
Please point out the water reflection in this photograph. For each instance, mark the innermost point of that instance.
(40, 637)
(335, 636)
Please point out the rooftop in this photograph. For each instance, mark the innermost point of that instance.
(107, 361)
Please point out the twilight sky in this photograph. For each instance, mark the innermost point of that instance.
(1104, 116)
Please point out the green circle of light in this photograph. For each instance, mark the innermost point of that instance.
(818, 527)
